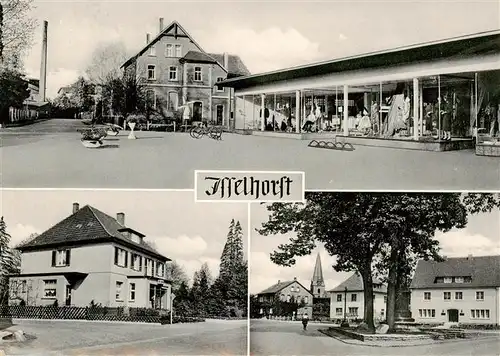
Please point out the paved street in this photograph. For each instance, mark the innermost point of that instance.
(101, 338)
(288, 338)
(49, 155)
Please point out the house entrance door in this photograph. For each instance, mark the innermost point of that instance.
(68, 295)
(197, 111)
(219, 114)
(453, 315)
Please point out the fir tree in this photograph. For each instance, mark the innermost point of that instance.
(225, 259)
(10, 261)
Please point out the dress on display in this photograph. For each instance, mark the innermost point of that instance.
(395, 121)
(446, 115)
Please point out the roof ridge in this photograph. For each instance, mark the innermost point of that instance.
(99, 220)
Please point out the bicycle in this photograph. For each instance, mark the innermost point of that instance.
(214, 132)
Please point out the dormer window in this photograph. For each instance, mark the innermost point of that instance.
(448, 280)
(135, 238)
(459, 279)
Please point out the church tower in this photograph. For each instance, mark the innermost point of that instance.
(317, 282)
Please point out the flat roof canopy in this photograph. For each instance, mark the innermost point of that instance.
(456, 48)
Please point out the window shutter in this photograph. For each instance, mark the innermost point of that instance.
(54, 258)
(140, 263)
(126, 259)
(68, 256)
(116, 255)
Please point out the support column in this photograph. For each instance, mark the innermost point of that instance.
(262, 112)
(346, 110)
(421, 115)
(244, 113)
(297, 111)
(230, 108)
(416, 101)
(365, 101)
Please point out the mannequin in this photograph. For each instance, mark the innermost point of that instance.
(406, 110)
(365, 124)
(319, 116)
(446, 115)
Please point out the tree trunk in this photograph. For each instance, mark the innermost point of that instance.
(392, 289)
(1, 34)
(366, 275)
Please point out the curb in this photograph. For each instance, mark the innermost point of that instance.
(431, 342)
(36, 321)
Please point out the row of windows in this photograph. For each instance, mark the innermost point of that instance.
(474, 313)
(352, 312)
(173, 74)
(151, 267)
(288, 298)
(170, 50)
(458, 295)
(61, 258)
(354, 297)
(467, 279)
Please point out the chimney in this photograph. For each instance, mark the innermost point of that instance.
(279, 281)
(76, 207)
(120, 217)
(294, 278)
(43, 65)
(226, 60)
(469, 257)
(161, 24)
(147, 38)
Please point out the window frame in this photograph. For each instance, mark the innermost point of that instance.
(427, 294)
(119, 291)
(167, 47)
(152, 51)
(200, 72)
(446, 294)
(177, 50)
(339, 297)
(217, 88)
(176, 79)
(482, 295)
(153, 71)
(46, 283)
(58, 261)
(132, 291)
(118, 261)
(461, 295)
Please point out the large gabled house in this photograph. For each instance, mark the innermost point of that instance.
(460, 290)
(178, 71)
(91, 257)
(286, 291)
(347, 300)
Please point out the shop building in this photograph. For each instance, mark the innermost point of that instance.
(435, 96)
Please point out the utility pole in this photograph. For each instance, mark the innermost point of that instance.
(344, 322)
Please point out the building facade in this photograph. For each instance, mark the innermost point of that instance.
(286, 291)
(91, 257)
(437, 91)
(178, 72)
(347, 300)
(462, 290)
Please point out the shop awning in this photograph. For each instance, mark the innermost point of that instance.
(456, 48)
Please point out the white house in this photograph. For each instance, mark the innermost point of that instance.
(349, 297)
(464, 290)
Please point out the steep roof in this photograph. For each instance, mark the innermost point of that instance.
(87, 225)
(275, 288)
(483, 270)
(173, 26)
(236, 67)
(355, 284)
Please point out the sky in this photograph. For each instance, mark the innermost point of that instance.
(481, 237)
(266, 35)
(189, 233)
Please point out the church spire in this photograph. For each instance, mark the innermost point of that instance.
(317, 282)
(317, 278)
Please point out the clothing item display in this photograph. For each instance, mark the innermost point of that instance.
(395, 121)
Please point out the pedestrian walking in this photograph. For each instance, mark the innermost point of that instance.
(305, 320)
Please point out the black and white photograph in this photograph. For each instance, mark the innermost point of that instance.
(401, 95)
(122, 273)
(376, 274)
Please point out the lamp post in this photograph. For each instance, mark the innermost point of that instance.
(344, 322)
